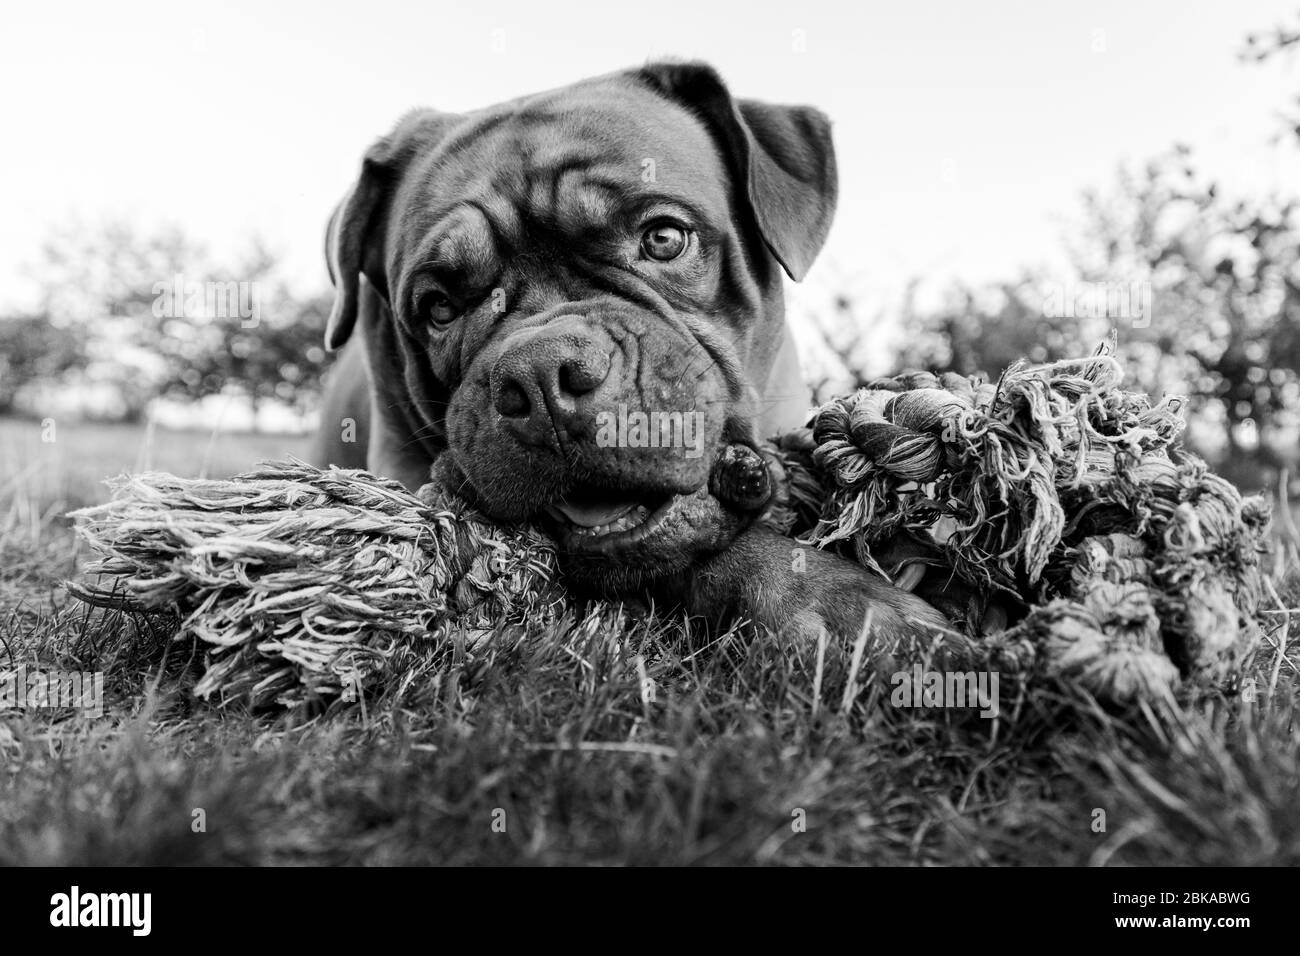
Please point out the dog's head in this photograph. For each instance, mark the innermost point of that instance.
(577, 295)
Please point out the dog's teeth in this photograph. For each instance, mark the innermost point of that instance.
(625, 522)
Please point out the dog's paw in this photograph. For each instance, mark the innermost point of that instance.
(741, 478)
(844, 598)
(791, 588)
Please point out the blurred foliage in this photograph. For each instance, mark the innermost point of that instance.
(274, 355)
(1225, 280)
(983, 330)
(99, 280)
(151, 315)
(34, 349)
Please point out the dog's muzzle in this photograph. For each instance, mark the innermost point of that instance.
(550, 382)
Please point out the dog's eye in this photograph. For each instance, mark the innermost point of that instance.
(434, 308)
(664, 242)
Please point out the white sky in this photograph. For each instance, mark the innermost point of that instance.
(965, 131)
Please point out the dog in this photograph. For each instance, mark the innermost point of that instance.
(516, 284)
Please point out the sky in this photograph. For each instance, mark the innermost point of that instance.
(965, 131)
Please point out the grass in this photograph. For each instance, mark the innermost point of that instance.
(548, 749)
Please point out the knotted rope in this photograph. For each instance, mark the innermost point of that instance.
(1130, 564)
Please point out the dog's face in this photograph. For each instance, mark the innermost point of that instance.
(583, 296)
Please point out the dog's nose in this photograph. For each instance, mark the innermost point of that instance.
(543, 375)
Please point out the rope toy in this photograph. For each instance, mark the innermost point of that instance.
(1052, 515)
(303, 582)
(1129, 563)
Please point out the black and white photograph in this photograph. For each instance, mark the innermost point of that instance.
(677, 434)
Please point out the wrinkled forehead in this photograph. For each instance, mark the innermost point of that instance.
(576, 161)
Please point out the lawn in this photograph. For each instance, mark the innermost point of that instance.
(546, 749)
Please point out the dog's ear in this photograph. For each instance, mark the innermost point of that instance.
(345, 246)
(354, 238)
(781, 156)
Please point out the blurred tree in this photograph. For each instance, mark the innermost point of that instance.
(1261, 46)
(1224, 276)
(101, 280)
(275, 354)
(845, 332)
(1283, 38)
(161, 319)
(984, 330)
(34, 350)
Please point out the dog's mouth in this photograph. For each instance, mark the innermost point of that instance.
(604, 519)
